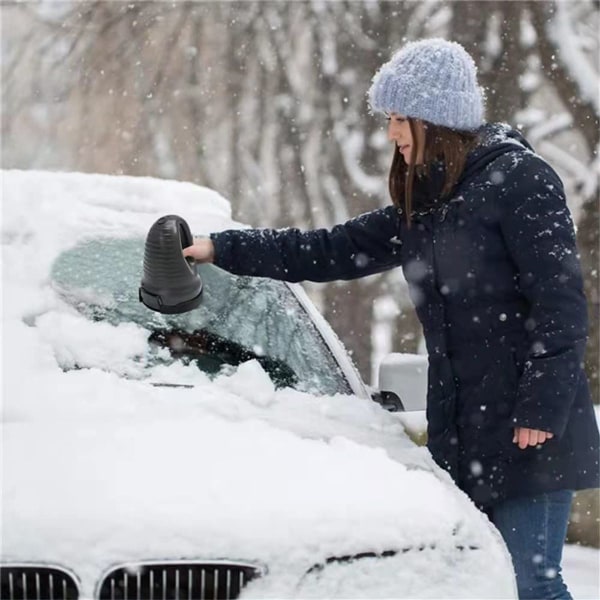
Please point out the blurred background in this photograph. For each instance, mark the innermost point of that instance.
(265, 102)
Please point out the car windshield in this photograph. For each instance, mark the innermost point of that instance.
(239, 318)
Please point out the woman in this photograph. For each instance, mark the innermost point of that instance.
(480, 227)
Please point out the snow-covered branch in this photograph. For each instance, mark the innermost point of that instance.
(568, 44)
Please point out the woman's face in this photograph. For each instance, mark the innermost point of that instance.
(399, 133)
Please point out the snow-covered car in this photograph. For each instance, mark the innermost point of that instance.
(229, 451)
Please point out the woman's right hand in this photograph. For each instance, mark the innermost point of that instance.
(524, 437)
(202, 250)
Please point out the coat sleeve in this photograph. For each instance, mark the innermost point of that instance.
(365, 245)
(539, 234)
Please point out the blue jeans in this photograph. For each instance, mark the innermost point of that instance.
(534, 529)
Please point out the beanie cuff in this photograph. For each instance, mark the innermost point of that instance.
(431, 80)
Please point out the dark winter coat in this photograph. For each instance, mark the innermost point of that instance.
(495, 278)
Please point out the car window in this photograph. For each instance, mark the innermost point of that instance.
(239, 318)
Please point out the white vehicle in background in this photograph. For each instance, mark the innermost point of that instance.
(231, 451)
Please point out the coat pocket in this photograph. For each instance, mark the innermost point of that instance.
(487, 404)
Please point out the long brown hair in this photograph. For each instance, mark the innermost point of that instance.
(440, 143)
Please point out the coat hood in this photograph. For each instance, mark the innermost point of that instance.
(494, 139)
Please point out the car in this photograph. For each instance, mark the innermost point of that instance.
(229, 451)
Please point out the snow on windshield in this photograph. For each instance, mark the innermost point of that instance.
(99, 469)
(238, 319)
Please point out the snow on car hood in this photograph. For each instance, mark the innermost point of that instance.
(225, 468)
(98, 469)
(108, 471)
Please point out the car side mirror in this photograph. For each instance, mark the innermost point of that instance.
(403, 382)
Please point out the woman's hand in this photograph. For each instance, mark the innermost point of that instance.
(530, 437)
(201, 251)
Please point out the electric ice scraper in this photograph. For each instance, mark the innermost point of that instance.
(170, 283)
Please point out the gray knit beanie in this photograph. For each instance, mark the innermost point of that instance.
(433, 80)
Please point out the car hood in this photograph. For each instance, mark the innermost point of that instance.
(138, 472)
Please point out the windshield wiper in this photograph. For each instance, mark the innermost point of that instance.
(174, 385)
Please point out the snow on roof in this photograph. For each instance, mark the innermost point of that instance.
(99, 469)
(38, 204)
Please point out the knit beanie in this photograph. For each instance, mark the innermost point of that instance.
(433, 80)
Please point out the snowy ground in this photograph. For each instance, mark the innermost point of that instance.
(581, 572)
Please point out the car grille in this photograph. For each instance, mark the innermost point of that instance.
(36, 583)
(177, 581)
